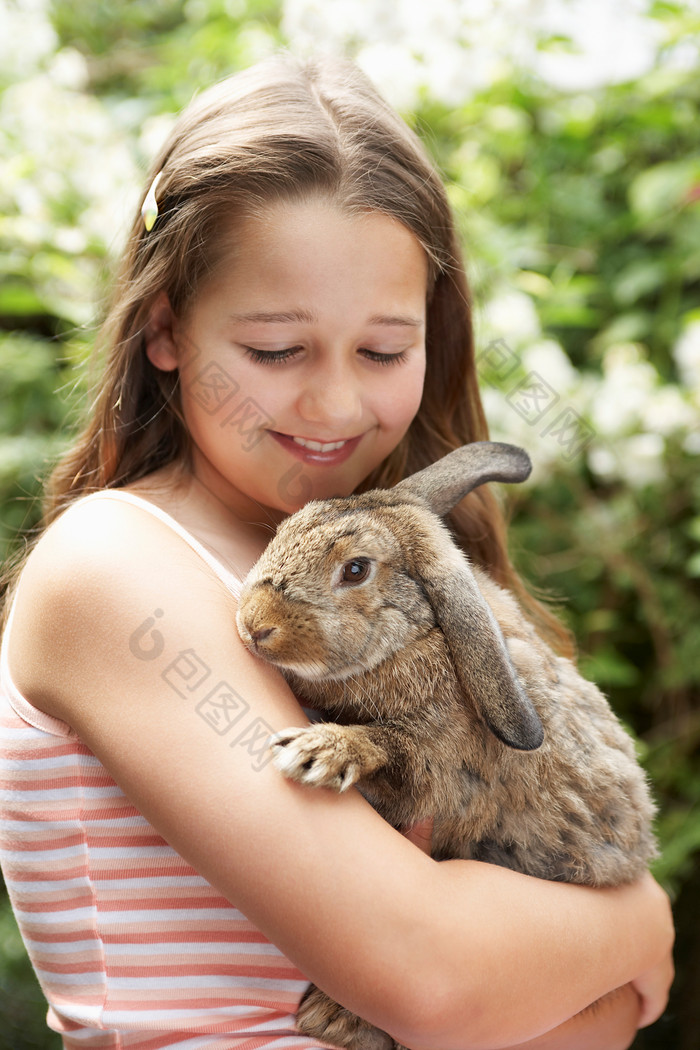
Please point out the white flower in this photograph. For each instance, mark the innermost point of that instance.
(691, 443)
(637, 460)
(26, 37)
(69, 69)
(612, 43)
(394, 72)
(641, 460)
(511, 316)
(686, 353)
(667, 411)
(548, 360)
(455, 47)
(628, 384)
(602, 462)
(64, 147)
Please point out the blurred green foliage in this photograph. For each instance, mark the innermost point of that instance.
(580, 214)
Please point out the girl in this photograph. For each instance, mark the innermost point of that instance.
(291, 321)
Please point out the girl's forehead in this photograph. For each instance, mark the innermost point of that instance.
(309, 219)
(317, 243)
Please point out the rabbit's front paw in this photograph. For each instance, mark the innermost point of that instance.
(322, 1018)
(326, 755)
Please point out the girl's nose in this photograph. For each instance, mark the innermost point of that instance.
(332, 397)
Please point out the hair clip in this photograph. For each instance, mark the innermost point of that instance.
(149, 211)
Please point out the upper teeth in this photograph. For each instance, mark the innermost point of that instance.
(318, 446)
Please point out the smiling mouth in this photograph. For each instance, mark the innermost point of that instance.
(319, 453)
(320, 446)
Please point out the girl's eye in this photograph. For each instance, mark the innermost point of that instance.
(384, 359)
(355, 571)
(271, 357)
(274, 357)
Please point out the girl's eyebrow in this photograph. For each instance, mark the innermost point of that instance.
(396, 321)
(274, 317)
(305, 317)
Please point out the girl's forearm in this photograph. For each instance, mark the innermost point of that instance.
(546, 950)
(608, 1024)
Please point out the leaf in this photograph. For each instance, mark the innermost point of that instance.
(19, 300)
(609, 668)
(663, 188)
(637, 279)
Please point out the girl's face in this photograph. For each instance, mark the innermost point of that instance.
(302, 359)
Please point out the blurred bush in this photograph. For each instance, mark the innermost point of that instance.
(579, 207)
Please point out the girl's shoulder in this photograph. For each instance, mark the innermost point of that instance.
(109, 531)
(102, 567)
(226, 555)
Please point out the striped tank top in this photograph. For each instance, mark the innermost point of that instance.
(132, 948)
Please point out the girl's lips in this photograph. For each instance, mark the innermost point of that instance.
(310, 455)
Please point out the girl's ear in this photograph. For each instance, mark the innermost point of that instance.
(160, 343)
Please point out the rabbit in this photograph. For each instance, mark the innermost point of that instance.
(448, 703)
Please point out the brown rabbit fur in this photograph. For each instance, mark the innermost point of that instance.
(447, 702)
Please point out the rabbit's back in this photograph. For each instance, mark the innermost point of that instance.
(579, 809)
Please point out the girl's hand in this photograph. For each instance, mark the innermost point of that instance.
(652, 988)
(653, 985)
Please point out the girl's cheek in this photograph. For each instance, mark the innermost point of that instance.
(403, 400)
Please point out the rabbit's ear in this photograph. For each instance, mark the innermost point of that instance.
(444, 483)
(480, 656)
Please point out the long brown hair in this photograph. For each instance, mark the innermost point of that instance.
(278, 131)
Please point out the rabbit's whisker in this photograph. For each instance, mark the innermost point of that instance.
(313, 669)
(361, 694)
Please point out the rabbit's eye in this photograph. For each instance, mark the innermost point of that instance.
(355, 571)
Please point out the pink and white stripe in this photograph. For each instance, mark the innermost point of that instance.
(131, 946)
(133, 949)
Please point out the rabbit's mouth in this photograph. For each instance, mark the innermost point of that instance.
(264, 644)
(309, 669)
(267, 641)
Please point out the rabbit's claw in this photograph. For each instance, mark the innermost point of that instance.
(326, 755)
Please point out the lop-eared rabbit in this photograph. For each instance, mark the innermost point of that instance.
(448, 703)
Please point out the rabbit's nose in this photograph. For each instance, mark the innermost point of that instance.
(261, 634)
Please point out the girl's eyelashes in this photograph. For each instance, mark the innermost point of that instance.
(385, 359)
(273, 357)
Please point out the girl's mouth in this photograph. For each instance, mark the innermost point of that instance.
(320, 452)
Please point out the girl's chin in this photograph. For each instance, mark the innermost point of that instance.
(298, 486)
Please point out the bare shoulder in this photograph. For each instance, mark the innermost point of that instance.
(102, 572)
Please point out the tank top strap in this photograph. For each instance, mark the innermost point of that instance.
(228, 578)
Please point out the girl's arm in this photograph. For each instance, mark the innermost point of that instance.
(120, 630)
(608, 1024)
(611, 1022)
